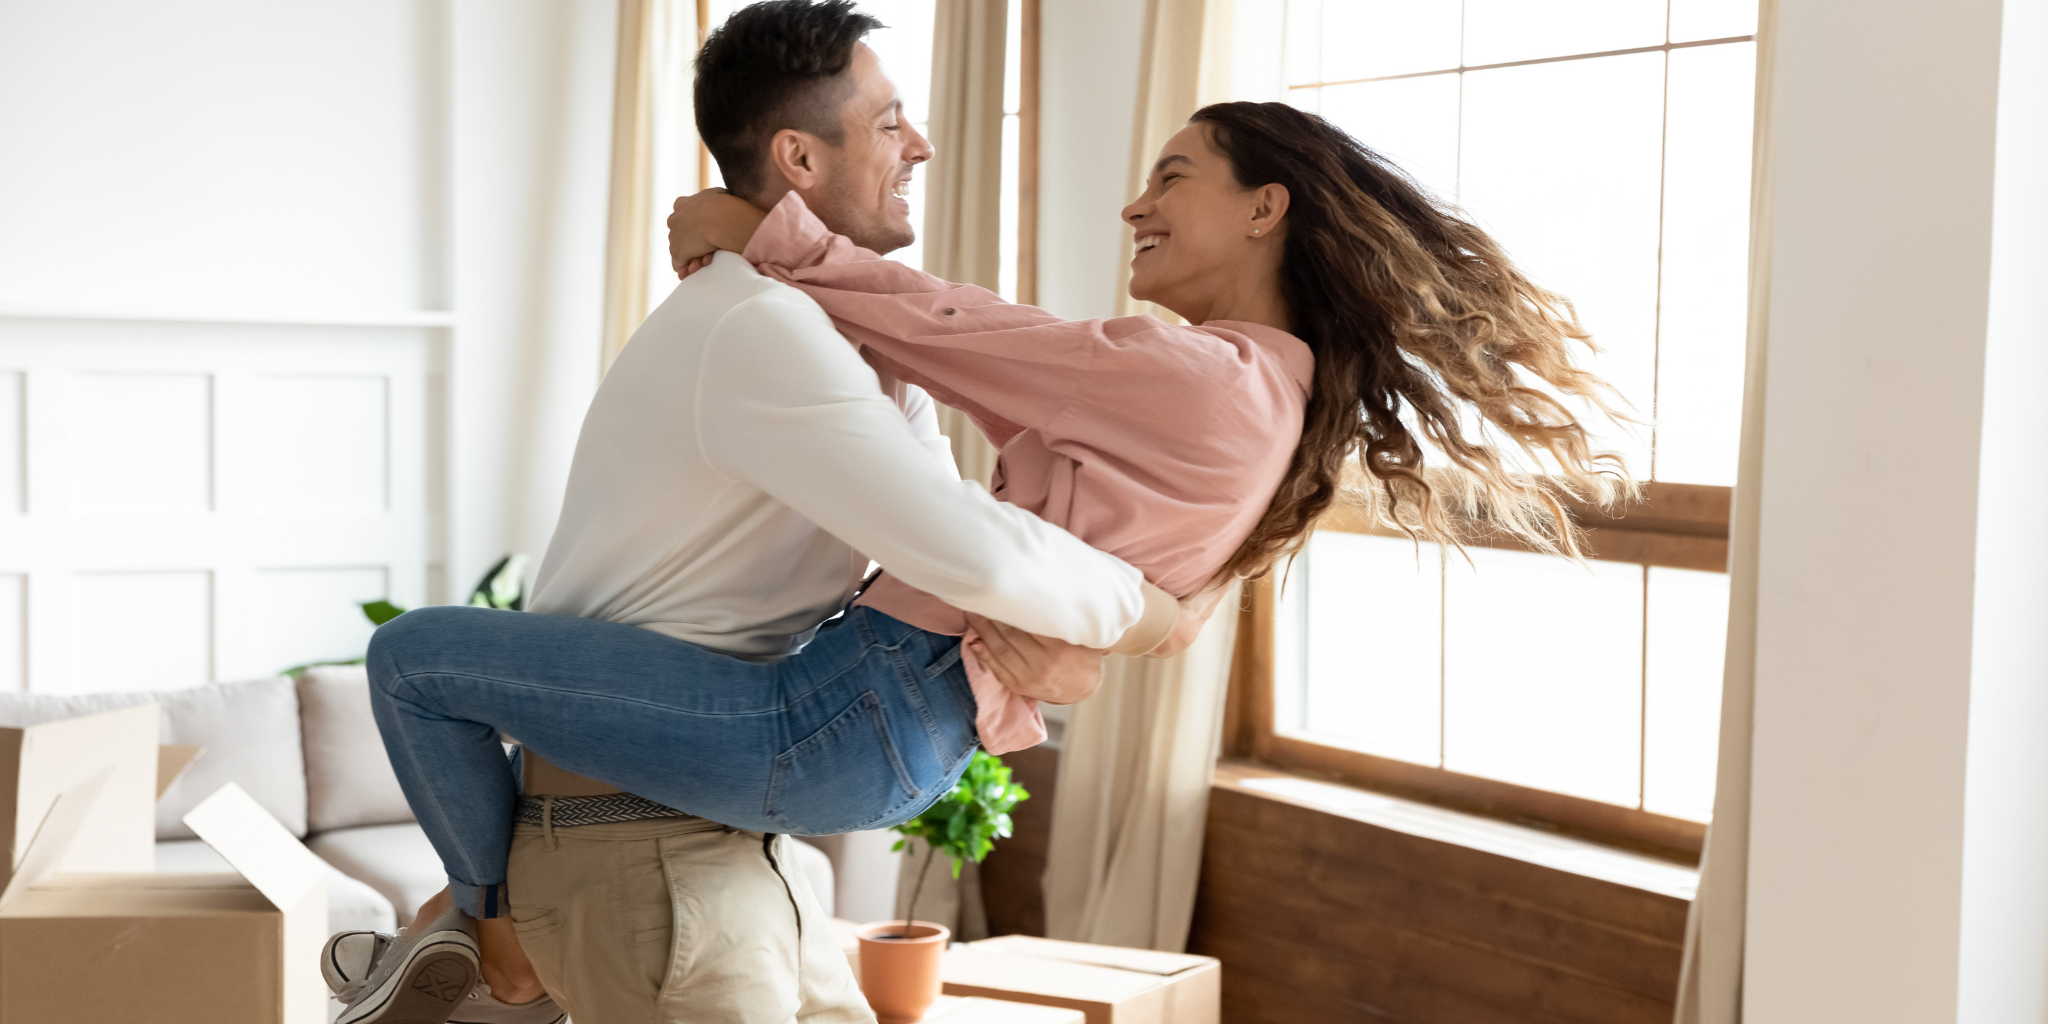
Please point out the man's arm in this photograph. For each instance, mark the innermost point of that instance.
(787, 405)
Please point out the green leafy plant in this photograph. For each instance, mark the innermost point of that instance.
(503, 587)
(965, 823)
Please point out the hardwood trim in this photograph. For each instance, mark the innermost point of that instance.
(1028, 47)
(1677, 526)
(1628, 827)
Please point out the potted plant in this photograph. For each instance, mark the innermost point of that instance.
(899, 960)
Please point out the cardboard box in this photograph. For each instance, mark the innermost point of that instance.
(165, 948)
(39, 762)
(1110, 984)
(977, 1010)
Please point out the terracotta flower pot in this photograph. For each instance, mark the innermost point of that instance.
(900, 976)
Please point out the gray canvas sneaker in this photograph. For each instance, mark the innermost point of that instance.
(418, 978)
(352, 956)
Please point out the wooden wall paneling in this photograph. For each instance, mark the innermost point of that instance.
(1326, 918)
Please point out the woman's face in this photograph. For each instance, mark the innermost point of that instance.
(1200, 235)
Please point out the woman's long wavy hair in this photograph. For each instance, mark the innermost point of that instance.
(1417, 319)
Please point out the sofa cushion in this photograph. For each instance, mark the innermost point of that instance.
(349, 781)
(250, 731)
(395, 860)
(350, 903)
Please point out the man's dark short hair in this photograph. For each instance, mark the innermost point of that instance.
(774, 65)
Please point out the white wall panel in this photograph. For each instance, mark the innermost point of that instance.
(227, 154)
(141, 444)
(140, 631)
(309, 615)
(322, 438)
(13, 469)
(13, 633)
(228, 344)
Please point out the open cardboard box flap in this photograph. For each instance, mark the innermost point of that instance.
(1110, 984)
(226, 948)
(1123, 958)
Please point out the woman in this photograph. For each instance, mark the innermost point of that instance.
(1336, 304)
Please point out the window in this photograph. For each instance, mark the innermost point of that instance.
(1606, 144)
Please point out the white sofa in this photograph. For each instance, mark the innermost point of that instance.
(309, 752)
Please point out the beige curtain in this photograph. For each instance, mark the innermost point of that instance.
(1185, 65)
(1135, 769)
(964, 183)
(1710, 979)
(654, 142)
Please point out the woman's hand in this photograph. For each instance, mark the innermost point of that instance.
(1040, 667)
(1195, 610)
(704, 223)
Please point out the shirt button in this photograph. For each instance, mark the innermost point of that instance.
(949, 311)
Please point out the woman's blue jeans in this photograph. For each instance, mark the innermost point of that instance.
(864, 728)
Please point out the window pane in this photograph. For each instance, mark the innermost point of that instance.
(1372, 645)
(1706, 263)
(1303, 60)
(1310, 100)
(905, 48)
(1369, 38)
(1497, 31)
(1711, 19)
(1687, 624)
(1543, 672)
(1560, 162)
(1412, 121)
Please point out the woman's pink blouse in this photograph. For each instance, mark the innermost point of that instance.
(1158, 443)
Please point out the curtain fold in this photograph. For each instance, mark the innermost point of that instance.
(1184, 66)
(654, 138)
(964, 182)
(1710, 979)
(1135, 768)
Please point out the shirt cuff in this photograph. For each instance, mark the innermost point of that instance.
(1162, 611)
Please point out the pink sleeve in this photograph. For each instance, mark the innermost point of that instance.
(1008, 366)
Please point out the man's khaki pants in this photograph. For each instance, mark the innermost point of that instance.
(677, 921)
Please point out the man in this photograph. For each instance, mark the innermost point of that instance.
(738, 467)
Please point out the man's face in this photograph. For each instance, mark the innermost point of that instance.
(864, 191)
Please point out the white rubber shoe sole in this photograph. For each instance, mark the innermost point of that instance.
(420, 980)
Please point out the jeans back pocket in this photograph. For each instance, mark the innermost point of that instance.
(842, 778)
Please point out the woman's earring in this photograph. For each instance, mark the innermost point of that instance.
(1255, 231)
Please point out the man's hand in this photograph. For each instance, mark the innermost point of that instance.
(1195, 610)
(1053, 671)
(704, 223)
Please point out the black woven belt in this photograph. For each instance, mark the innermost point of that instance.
(570, 811)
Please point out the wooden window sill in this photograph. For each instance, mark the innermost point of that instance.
(1532, 846)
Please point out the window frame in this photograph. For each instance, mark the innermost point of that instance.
(1679, 526)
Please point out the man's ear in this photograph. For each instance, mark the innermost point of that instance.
(795, 156)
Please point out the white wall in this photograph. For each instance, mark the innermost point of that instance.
(298, 307)
(1884, 138)
(1088, 95)
(2004, 948)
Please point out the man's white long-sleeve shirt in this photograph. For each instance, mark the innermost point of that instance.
(741, 464)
